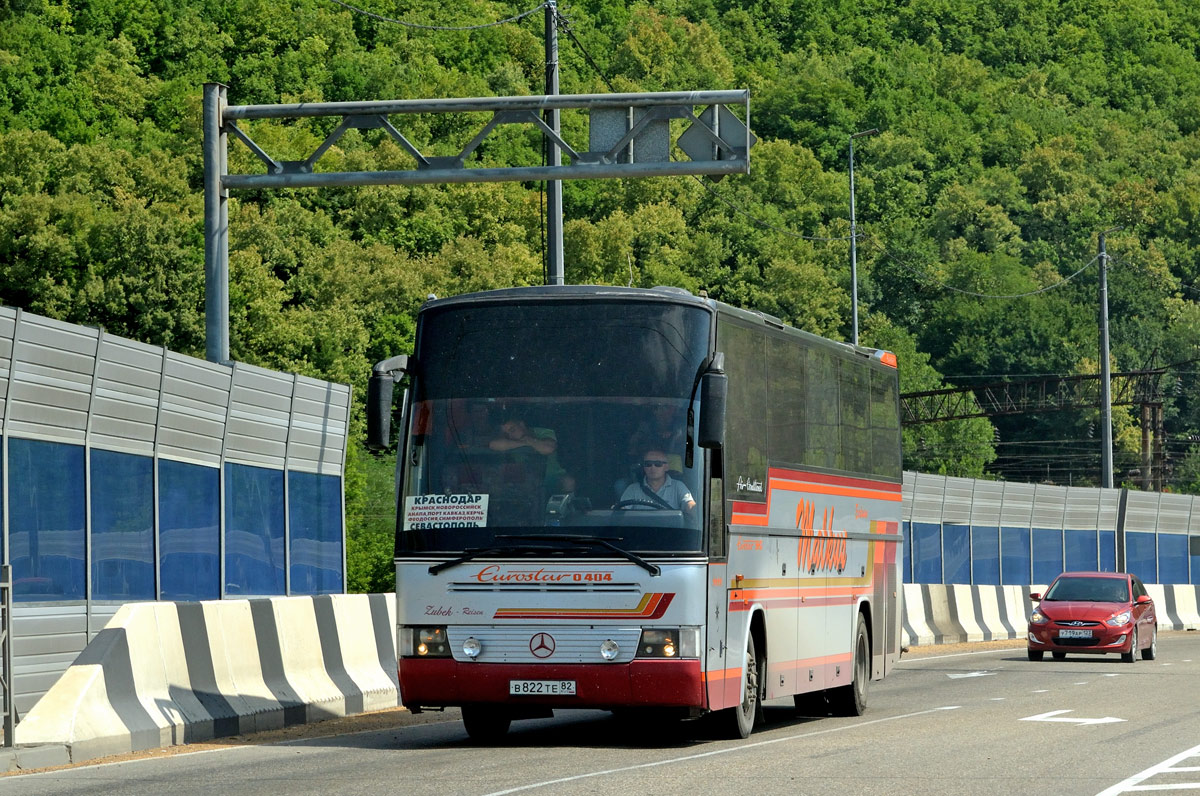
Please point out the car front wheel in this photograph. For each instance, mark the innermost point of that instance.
(1036, 655)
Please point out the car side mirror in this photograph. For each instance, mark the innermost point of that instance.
(1035, 597)
(1143, 599)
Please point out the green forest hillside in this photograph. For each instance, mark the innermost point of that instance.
(1012, 133)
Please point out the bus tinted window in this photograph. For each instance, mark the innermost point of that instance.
(745, 411)
(824, 442)
(885, 424)
(787, 399)
(548, 418)
(854, 383)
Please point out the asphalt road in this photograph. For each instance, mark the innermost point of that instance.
(974, 722)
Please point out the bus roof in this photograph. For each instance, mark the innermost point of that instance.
(676, 295)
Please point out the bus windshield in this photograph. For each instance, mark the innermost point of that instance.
(549, 418)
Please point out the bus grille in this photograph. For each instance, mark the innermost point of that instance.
(571, 644)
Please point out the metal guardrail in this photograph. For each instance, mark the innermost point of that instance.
(6, 654)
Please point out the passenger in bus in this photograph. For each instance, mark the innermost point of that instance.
(657, 489)
(521, 441)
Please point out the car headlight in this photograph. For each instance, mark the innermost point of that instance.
(1038, 618)
(1120, 619)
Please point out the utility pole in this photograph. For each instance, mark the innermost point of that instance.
(1106, 454)
(854, 240)
(554, 208)
(216, 227)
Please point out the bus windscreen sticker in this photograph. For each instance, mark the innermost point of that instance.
(422, 512)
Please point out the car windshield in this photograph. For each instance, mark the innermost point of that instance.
(1096, 590)
(551, 418)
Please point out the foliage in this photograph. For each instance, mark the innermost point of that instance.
(1011, 134)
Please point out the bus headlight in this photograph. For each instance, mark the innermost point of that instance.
(669, 642)
(471, 647)
(610, 649)
(424, 642)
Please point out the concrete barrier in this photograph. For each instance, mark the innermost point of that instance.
(947, 614)
(169, 673)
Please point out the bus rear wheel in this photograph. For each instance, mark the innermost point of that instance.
(851, 700)
(740, 719)
(485, 724)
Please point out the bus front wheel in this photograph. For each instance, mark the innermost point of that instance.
(485, 724)
(740, 719)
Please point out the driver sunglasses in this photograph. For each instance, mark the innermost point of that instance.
(654, 463)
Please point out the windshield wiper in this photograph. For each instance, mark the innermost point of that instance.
(607, 543)
(475, 552)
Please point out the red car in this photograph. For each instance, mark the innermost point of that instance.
(1094, 613)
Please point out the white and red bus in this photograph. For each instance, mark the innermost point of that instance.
(538, 566)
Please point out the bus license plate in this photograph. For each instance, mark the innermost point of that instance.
(1063, 633)
(541, 687)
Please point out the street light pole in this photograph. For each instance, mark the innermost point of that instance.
(854, 240)
(554, 210)
(1106, 440)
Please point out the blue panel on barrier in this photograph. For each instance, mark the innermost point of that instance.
(254, 549)
(985, 546)
(956, 553)
(46, 520)
(927, 552)
(1172, 558)
(1014, 556)
(1140, 556)
(122, 490)
(315, 519)
(1081, 555)
(189, 527)
(1108, 551)
(1047, 554)
(906, 530)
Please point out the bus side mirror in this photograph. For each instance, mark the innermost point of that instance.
(714, 385)
(383, 380)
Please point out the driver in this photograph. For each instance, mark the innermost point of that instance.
(657, 489)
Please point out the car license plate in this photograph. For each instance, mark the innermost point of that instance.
(541, 687)
(1065, 633)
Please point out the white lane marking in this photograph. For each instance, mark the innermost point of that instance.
(1163, 767)
(984, 673)
(1056, 715)
(716, 752)
(957, 655)
(1042, 691)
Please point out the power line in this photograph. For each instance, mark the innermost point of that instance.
(419, 26)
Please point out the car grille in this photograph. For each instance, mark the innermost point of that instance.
(1077, 624)
(1075, 642)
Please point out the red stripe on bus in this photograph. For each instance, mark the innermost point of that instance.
(837, 480)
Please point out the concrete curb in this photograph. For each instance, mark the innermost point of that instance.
(165, 673)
